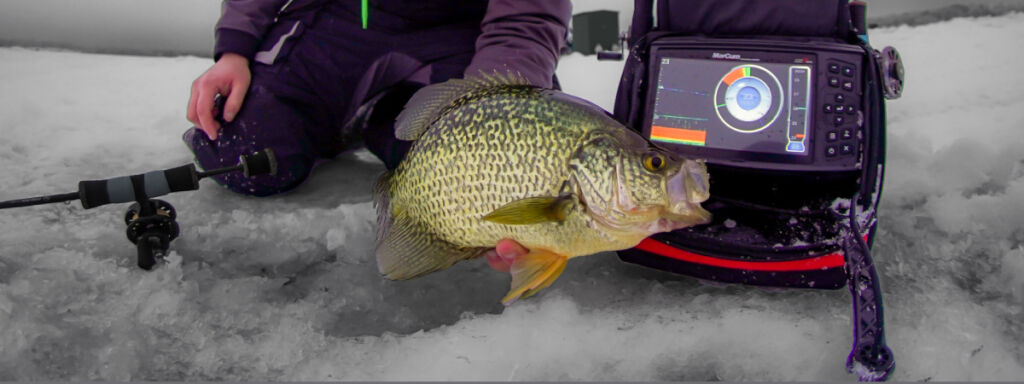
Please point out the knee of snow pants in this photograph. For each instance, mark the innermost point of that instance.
(265, 121)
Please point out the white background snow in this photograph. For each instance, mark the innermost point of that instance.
(286, 288)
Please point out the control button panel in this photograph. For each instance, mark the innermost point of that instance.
(840, 101)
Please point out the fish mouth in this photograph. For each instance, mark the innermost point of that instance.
(686, 190)
(696, 215)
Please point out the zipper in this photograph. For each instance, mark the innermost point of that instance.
(365, 12)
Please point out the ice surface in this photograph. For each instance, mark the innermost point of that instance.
(286, 288)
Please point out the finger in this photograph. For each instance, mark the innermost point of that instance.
(234, 103)
(496, 262)
(510, 250)
(190, 113)
(204, 107)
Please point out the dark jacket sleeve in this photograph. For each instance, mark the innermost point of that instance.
(242, 25)
(523, 36)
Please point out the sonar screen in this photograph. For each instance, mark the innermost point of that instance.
(749, 107)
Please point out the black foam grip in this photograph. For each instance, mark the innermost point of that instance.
(183, 178)
(93, 193)
(260, 163)
(116, 190)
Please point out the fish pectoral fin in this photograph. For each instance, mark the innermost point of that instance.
(534, 272)
(533, 210)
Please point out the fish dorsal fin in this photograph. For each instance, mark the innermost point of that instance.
(534, 272)
(406, 250)
(430, 102)
(533, 210)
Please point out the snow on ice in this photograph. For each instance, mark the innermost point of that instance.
(286, 288)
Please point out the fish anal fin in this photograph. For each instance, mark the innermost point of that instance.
(532, 210)
(551, 279)
(533, 272)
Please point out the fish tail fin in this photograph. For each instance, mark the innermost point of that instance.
(382, 201)
(534, 272)
(405, 249)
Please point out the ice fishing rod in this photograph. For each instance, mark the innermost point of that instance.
(151, 222)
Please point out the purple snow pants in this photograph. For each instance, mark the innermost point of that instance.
(313, 73)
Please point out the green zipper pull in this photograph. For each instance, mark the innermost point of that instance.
(366, 12)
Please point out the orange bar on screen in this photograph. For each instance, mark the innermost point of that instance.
(736, 74)
(691, 135)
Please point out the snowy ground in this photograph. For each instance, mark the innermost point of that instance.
(286, 288)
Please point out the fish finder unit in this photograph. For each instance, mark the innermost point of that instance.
(784, 100)
(754, 105)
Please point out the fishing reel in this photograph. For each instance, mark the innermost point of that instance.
(151, 222)
(151, 227)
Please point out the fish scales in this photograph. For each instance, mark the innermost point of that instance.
(497, 159)
(486, 152)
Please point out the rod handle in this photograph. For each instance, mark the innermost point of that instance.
(94, 193)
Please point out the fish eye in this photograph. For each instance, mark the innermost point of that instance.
(654, 161)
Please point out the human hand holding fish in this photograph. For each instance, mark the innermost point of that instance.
(526, 177)
(504, 254)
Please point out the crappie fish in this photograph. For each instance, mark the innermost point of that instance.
(496, 158)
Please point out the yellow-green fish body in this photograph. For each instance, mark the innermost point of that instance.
(496, 159)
